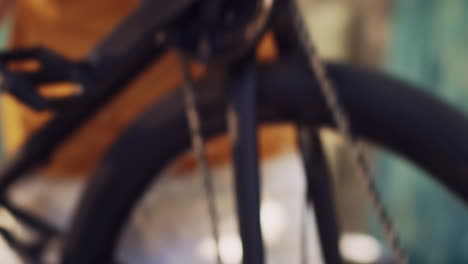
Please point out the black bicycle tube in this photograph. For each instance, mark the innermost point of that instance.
(319, 192)
(243, 128)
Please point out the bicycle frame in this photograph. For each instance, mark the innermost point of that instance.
(115, 62)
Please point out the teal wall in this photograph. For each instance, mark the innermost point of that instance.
(429, 46)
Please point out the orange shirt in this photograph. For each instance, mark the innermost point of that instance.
(72, 27)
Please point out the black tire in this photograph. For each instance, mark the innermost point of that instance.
(390, 113)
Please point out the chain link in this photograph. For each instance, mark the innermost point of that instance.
(198, 147)
(342, 122)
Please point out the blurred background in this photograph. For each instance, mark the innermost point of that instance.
(424, 42)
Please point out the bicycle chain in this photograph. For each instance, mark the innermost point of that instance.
(198, 147)
(342, 122)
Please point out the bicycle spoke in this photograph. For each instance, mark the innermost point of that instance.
(242, 127)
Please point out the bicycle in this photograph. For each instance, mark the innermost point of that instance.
(283, 90)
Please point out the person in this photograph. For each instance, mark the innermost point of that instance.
(72, 28)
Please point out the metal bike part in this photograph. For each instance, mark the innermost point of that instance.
(319, 192)
(242, 127)
(198, 148)
(116, 61)
(113, 63)
(51, 68)
(341, 120)
(220, 31)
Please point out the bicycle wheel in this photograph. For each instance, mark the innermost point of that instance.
(390, 113)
